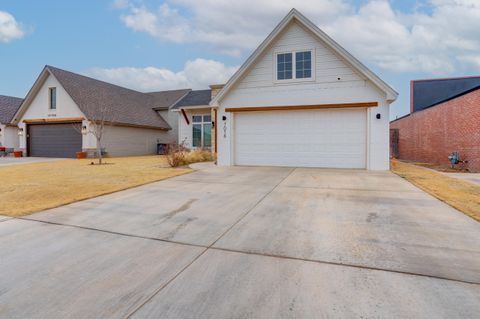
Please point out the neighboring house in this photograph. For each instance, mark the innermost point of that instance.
(9, 105)
(301, 100)
(61, 106)
(445, 117)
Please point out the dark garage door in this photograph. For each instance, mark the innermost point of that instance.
(54, 140)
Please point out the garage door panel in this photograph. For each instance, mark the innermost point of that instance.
(54, 140)
(313, 138)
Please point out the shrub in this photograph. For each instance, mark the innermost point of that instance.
(175, 155)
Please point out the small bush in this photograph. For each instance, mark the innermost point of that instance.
(175, 155)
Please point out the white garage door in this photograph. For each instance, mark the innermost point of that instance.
(308, 138)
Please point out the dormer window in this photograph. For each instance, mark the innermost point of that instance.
(52, 97)
(296, 65)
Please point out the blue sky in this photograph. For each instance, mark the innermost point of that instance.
(152, 45)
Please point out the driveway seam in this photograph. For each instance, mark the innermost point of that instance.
(246, 252)
(350, 189)
(209, 246)
(346, 265)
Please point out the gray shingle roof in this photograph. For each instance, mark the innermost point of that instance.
(9, 105)
(124, 106)
(194, 98)
(166, 99)
(427, 93)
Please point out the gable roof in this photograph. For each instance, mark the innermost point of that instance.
(428, 93)
(9, 105)
(165, 100)
(124, 106)
(195, 98)
(329, 42)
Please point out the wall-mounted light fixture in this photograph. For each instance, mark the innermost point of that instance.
(20, 131)
(84, 130)
(379, 116)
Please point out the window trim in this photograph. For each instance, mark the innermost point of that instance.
(50, 90)
(294, 66)
(202, 123)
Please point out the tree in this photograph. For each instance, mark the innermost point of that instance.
(97, 128)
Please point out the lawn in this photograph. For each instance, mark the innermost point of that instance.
(29, 188)
(462, 195)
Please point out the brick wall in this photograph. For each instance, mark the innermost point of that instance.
(430, 135)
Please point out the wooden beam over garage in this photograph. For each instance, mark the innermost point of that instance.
(55, 120)
(300, 107)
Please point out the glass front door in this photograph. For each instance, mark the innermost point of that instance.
(202, 131)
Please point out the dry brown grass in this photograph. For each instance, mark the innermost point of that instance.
(177, 156)
(29, 188)
(459, 194)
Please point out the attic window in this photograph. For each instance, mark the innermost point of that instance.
(52, 96)
(296, 65)
(284, 66)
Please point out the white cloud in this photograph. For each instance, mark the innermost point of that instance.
(196, 74)
(442, 41)
(10, 29)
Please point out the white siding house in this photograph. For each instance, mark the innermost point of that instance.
(330, 111)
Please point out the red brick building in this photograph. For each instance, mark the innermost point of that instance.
(445, 117)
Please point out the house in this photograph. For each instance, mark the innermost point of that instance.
(444, 117)
(299, 100)
(9, 105)
(55, 119)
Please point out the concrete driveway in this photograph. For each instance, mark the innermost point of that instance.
(246, 242)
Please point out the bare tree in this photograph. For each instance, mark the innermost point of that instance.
(97, 128)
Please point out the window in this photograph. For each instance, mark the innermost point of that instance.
(52, 98)
(294, 65)
(303, 65)
(284, 66)
(202, 131)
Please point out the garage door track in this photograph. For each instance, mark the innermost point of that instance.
(246, 242)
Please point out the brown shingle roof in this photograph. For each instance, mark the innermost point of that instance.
(9, 105)
(124, 106)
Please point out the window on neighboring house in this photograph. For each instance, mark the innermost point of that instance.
(294, 65)
(53, 98)
(202, 131)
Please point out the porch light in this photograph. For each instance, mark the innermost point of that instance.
(20, 131)
(84, 130)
